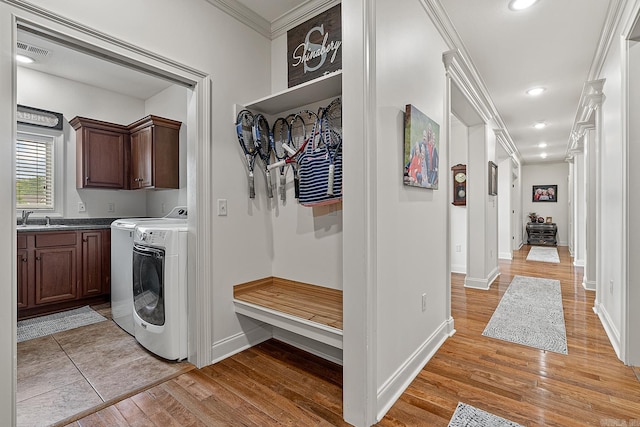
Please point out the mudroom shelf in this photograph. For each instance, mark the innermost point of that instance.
(306, 93)
(308, 310)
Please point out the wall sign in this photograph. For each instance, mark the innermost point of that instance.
(36, 117)
(314, 48)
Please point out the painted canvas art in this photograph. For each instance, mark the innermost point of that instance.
(421, 147)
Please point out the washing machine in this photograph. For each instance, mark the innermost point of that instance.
(122, 266)
(160, 288)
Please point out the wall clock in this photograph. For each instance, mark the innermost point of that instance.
(459, 173)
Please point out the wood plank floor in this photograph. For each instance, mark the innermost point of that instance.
(274, 384)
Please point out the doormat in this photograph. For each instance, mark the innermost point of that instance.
(468, 416)
(37, 327)
(530, 313)
(543, 254)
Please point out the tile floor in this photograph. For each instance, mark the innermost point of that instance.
(69, 373)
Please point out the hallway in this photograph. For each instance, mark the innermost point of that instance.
(273, 384)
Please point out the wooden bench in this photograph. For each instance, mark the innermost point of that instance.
(308, 310)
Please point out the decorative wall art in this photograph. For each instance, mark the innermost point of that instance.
(544, 193)
(421, 147)
(314, 48)
(493, 179)
(37, 117)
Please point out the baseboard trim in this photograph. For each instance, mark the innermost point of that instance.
(578, 262)
(588, 285)
(241, 341)
(609, 328)
(462, 269)
(483, 284)
(393, 388)
(505, 255)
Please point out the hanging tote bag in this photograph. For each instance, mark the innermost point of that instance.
(314, 164)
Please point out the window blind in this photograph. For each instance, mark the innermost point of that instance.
(34, 172)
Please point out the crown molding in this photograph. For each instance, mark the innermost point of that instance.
(245, 15)
(591, 99)
(299, 15)
(615, 13)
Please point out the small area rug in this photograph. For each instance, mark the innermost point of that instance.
(543, 254)
(530, 313)
(37, 327)
(468, 416)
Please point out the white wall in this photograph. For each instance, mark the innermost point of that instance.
(552, 174)
(610, 292)
(411, 241)
(458, 214)
(504, 209)
(71, 98)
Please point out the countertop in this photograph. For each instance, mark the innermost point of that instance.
(64, 224)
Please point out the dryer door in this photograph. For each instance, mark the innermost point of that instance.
(148, 283)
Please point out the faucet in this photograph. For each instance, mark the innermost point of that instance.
(48, 221)
(25, 216)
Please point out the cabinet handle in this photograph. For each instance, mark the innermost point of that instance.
(24, 260)
(86, 178)
(37, 258)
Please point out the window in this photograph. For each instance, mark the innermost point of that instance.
(34, 171)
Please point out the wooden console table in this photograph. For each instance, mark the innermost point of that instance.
(542, 234)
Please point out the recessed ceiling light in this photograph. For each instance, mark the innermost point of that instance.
(542, 145)
(540, 125)
(535, 91)
(543, 155)
(521, 4)
(24, 59)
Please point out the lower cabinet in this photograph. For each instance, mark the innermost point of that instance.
(61, 270)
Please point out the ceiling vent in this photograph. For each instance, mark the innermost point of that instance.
(33, 51)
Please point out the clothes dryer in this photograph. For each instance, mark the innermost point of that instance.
(122, 266)
(160, 288)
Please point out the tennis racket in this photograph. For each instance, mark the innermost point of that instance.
(262, 136)
(280, 139)
(244, 130)
(331, 132)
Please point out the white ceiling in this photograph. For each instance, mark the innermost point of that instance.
(552, 44)
(81, 67)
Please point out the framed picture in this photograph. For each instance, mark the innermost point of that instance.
(548, 220)
(544, 193)
(493, 179)
(421, 147)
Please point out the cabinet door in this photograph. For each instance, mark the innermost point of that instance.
(141, 158)
(103, 159)
(55, 274)
(23, 278)
(91, 263)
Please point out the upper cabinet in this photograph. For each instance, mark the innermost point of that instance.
(155, 153)
(144, 154)
(100, 153)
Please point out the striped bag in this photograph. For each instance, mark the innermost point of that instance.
(314, 176)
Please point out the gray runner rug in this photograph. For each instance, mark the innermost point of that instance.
(466, 415)
(543, 254)
(37, 327)
(530, 313)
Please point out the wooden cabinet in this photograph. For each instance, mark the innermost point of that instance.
(60, 270)
(542, 234)
(145, 154)
(23, 272)
(101, 154)
(92, 274)
(155, 153)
